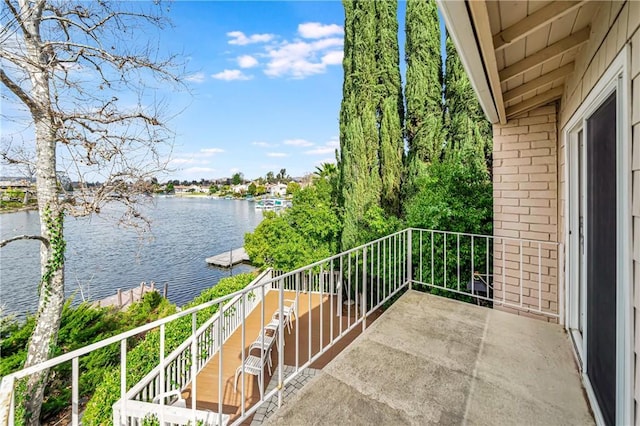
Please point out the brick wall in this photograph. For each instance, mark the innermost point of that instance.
(525, 198)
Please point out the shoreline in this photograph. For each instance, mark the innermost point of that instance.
(18, 209)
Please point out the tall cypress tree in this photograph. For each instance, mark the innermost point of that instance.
(390, 104)
(423, 90)
(468, 132)
(359, 139)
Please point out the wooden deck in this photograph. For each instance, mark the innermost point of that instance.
(310, 306)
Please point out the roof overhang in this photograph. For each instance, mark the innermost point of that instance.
(463, 34)
(517, 55)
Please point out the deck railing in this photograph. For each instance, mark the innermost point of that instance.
(178, 365)
(505, 273)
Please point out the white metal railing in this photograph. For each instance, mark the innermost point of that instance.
(178, 371)
(512, 273)
(308, 284)
(332, 298)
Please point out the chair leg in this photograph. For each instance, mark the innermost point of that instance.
(235, 380)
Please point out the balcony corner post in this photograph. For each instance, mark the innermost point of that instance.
(409, 258)
(281, 343)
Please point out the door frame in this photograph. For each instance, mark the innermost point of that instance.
(615, 79)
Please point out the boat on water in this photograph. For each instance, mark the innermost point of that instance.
(272, 204)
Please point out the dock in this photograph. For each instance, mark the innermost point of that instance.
(229, 258)
(124, 299)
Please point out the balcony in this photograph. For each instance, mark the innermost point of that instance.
(425, 359)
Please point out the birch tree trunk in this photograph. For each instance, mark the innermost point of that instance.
(67, 64)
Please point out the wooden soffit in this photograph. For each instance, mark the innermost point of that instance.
(528, 48)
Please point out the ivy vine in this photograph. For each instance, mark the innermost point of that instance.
(57, 245)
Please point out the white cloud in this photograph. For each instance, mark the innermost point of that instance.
(326, 160)
(301, 59)
(207, 152)
(277, 154)
(234, 170)
(182, 161)
(247, 61)
(327, 148)
(318, 30)
(198, 77)
(230, 75)
(264, 144)
(240, 39)
(323, 150)
(333, 58)
(197, 170)
(298, 142)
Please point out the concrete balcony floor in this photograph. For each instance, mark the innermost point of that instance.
(432, 360)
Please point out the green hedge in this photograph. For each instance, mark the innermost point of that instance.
(145, 356)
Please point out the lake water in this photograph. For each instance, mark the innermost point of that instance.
(102, 257)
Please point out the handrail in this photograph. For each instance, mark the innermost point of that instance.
(184, 346)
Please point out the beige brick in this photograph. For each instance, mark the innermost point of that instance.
(535, 152)
(505, 154)
(515, 225)
(509, 233)
(516, 161)
(543, 228)
(548, 127)
(505, 186)
(543, 194)
(538, 119)
(514, 178)
(506, 218)
(505, 201)
(515, 194)
(519, 130)
(533, 169)
(516, 209)
(543, 236)
(551, 144)
(505, 170)
(543, 177)
(543, 160)
(499, 140)
(515, 146)
(543, 220)
(542, 211)
(534, 202)
(537, 136)
(534, 185)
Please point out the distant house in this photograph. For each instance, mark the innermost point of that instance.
(238, 189)
(277, 190)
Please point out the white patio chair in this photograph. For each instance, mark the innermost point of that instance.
(288, 312)
(178, 402)
(254, 365)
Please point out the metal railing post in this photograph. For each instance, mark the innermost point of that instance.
(281, 345)
(194, 362)
(123, 381)
(363, 302)
(410, 258)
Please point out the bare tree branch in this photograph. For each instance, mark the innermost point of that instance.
(43, 240)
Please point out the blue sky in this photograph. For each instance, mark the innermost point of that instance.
(266, 82)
